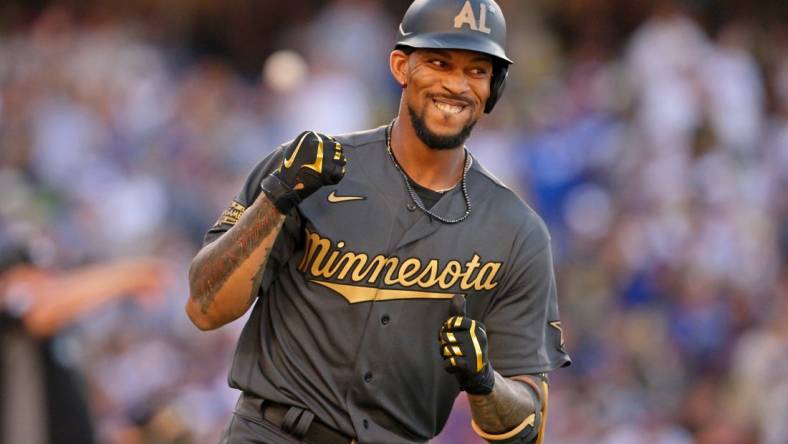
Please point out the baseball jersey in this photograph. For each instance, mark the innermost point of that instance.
(359, 282)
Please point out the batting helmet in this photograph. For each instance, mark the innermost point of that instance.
(474, 25)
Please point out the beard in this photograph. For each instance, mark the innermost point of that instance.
(437, 141)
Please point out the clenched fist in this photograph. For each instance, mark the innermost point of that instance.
(463, 345)
(310, 162)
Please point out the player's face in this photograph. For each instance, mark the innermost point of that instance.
(445, 94)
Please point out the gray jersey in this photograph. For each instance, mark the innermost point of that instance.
(359, 282)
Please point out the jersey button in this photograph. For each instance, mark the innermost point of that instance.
(385, 320)
(411, 207)
(367, 377)
(365, 423)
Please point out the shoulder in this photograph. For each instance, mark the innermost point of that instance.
(364, 138)
(514, 214)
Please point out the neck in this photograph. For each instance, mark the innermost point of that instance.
(430, 168)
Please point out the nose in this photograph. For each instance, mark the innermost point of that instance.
(455, 82)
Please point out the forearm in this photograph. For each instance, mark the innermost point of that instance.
(505, 408)
(57, 300)
(70, 295)
(225, 275)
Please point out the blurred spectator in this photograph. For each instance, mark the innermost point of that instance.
(43, 398)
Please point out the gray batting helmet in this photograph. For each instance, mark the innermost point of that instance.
(474, 25)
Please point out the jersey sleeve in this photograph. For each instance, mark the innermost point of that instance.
(245, 198)
(288, 237)
(523, 325)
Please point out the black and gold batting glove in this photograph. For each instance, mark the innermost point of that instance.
(310, 162)
(463, 346)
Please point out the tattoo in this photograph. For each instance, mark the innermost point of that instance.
(505, 408)
(232, 249)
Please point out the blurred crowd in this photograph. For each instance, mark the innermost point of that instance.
(658, 156)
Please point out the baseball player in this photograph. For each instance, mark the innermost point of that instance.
(387, 270)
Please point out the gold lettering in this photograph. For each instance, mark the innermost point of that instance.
(491, 268)
(408, 269)
(351, 261)
(377, 263)
(322, 259)
(231, 215)
(393, 261)
(316, 249)
(465, 17)
(471, 266)
(325, 269)
(452, 272)
(429, 276)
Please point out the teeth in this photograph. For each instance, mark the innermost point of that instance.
(445, 107)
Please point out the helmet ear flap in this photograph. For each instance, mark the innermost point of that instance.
(497, 84)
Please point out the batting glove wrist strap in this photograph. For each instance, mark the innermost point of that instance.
(282, 196)
(311, 161)
(480, 384)
(463, 345)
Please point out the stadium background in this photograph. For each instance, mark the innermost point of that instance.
(651, 135)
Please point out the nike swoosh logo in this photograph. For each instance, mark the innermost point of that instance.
(317, 166)
(402, 31)
(333, 198)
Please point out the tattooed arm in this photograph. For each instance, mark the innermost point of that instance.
(509, 404)
(225, 274)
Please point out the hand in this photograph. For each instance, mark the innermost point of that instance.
(149, 279)
(310, 162)
(463, 345)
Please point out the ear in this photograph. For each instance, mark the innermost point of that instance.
(398, 63)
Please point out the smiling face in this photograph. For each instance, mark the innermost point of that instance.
(445, 92)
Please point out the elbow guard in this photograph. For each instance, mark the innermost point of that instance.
(530, 431)
(525, 433)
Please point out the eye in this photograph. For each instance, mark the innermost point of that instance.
(479, 72)
(438, 63)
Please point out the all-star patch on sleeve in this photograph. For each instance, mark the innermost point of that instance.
(231, 214)
(245, 198)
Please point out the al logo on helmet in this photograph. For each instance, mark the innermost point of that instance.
(466, 17)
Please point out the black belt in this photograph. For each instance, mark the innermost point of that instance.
(295, 421)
